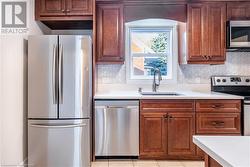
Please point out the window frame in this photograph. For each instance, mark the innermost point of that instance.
(152, 24)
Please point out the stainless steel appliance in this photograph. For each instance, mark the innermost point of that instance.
(237, 85)
(59, 100)
(116, 128)
(238, 35)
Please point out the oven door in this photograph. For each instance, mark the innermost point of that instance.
(247, 118)
(238, 34)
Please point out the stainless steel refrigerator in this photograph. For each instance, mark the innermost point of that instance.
(59, 100)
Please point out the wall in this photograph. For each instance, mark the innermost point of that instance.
(236, 64)
(13, 103)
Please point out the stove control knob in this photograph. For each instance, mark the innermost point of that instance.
(218, 80)
(247, 80)
(224, 80)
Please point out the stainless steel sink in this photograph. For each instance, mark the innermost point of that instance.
(161, 93)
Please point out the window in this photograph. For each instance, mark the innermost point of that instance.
(150, 46)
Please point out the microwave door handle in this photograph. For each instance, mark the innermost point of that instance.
(60, 74)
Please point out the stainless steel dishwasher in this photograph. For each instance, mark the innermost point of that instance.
(116, 128)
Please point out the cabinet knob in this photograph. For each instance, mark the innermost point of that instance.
(165, 116)
(67, 10)
(63, 10)
(205, 57)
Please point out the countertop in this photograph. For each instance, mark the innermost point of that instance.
(183, 95)
(229, 151)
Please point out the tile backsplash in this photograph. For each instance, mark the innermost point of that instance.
(237, 63)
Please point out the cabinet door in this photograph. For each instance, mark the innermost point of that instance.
(79, 7)
(206, 33)
(196, 32)
(153, 141)
(181, 128)
(50, 8)
(216, 32)
(238, 11)
(110, 33)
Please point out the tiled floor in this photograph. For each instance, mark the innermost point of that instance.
(140, 163)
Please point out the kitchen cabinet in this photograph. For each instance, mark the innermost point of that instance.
(181, 128)
(63, 9)
(167, 126)
(153, 129)
(109, 23)
(218, 106)
(206, 33)
(166, 129)
(238, 11)
(218, 116)
(218, 123)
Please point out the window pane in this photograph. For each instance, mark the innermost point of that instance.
(144, 66)
(150, 41)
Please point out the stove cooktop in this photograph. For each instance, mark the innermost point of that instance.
(236, 85)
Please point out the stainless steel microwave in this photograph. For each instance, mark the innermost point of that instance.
(238, 34)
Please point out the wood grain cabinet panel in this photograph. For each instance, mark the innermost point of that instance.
(166, 129)
(50, 8)
(206, 33)
(218, 106)
(181, 128)
(214, 123)
(196, 29)
(167, 105)
(238, 11)
(79, 7)
(47, 10)
(110, 33)
(153, 131)
(216, 32)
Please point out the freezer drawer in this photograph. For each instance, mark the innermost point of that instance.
(59, 143)
(116, 128)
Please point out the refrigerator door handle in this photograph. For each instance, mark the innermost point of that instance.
(60, 74)
(57, 126)
(54, 74)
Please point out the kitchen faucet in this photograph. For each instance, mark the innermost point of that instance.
(156, 85)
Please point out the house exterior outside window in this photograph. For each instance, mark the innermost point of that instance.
(151, 44)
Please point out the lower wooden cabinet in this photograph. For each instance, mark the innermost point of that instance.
(153, 135)
(217, 123)
(167, 126)
(181, 128)
(167, 134)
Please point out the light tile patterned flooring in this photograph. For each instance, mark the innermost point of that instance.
(146, 163)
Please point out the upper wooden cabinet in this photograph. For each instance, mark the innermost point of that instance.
(238, 11)
(206, 33)
(63, 9)
(109, 23)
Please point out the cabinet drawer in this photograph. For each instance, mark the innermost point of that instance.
(228, 106)
(214, 123)
(167, 105)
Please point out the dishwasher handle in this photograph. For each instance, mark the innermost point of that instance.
(117, 107)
